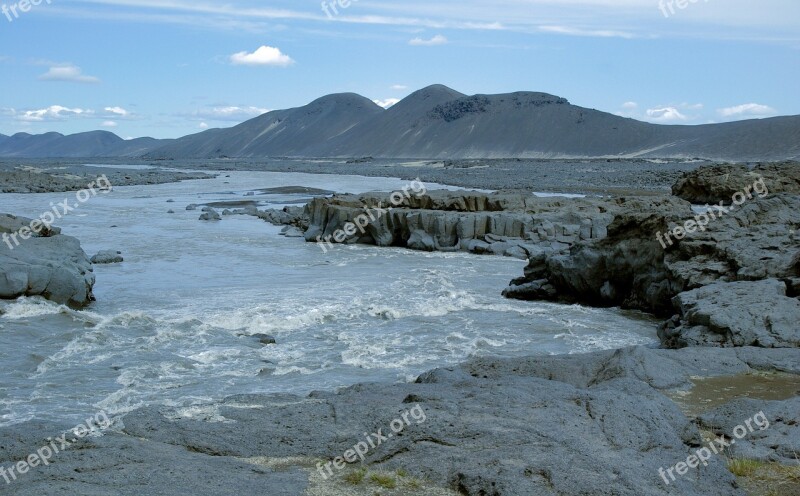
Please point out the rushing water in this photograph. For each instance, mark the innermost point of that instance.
(174, 324)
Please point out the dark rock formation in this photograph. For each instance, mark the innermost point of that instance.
(710, 276)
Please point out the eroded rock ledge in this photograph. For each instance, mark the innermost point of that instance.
(48, 264)
(514, 225)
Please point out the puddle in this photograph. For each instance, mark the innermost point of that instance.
(711, 392)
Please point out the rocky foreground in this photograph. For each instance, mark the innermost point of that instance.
(624, 422)
(597, 424)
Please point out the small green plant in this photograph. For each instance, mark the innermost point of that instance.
(384, 480)
(355, 477)
(401, 473)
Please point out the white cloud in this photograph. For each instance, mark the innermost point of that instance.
(203, 125)
(398, 87)
(387, 103)
(747, 110)
(67, 73)
(264, 55)
(666, 115)
(117, 111)
(229, 113)
(630, 105)
(109, 124)
(52, 113)
(436, 40)
(599, 33)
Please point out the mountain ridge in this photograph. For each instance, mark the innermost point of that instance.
(438, 122)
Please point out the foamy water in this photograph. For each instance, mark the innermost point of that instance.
(175, 323)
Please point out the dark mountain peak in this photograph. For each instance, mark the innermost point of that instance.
(478, 104)
(434, 95)
(343, 100)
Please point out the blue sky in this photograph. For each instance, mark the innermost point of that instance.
(167, 68)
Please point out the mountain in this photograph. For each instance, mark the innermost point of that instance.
(512, 125)
(439, 123)
(375, 136)
(290, 132)
(90, 144)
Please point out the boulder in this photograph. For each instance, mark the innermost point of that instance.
(210, 215)
(107, 257)
(49, 264)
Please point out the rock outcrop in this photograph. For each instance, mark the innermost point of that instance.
(48, 264)
(735, 282)
(741, 313)
(720, 182)
(500, 224)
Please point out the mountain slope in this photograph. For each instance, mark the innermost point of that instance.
(279, 133)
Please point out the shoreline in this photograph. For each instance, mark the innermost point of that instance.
(608, 176)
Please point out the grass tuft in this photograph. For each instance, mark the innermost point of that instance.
(355, 477)
(384, 480)
(742, 467)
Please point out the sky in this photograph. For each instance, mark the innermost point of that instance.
(168, 68)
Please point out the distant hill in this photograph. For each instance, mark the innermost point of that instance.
(90, 144)
(437, 123)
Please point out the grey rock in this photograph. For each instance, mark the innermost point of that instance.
(107, 257)
(719, 183)
(628, 267)
(210, 215)
(265, 339)
(741, 313)
(771, 437)
(52, 266)
(293, 232)
(421, 240)
(598, 423)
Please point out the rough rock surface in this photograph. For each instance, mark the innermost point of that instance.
(631, 268)
(108, 257)
(48, 264)
(500, 224)
(575, 424)
(719, 183)
(736, 314)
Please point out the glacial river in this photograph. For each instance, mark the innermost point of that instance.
(173, 325)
